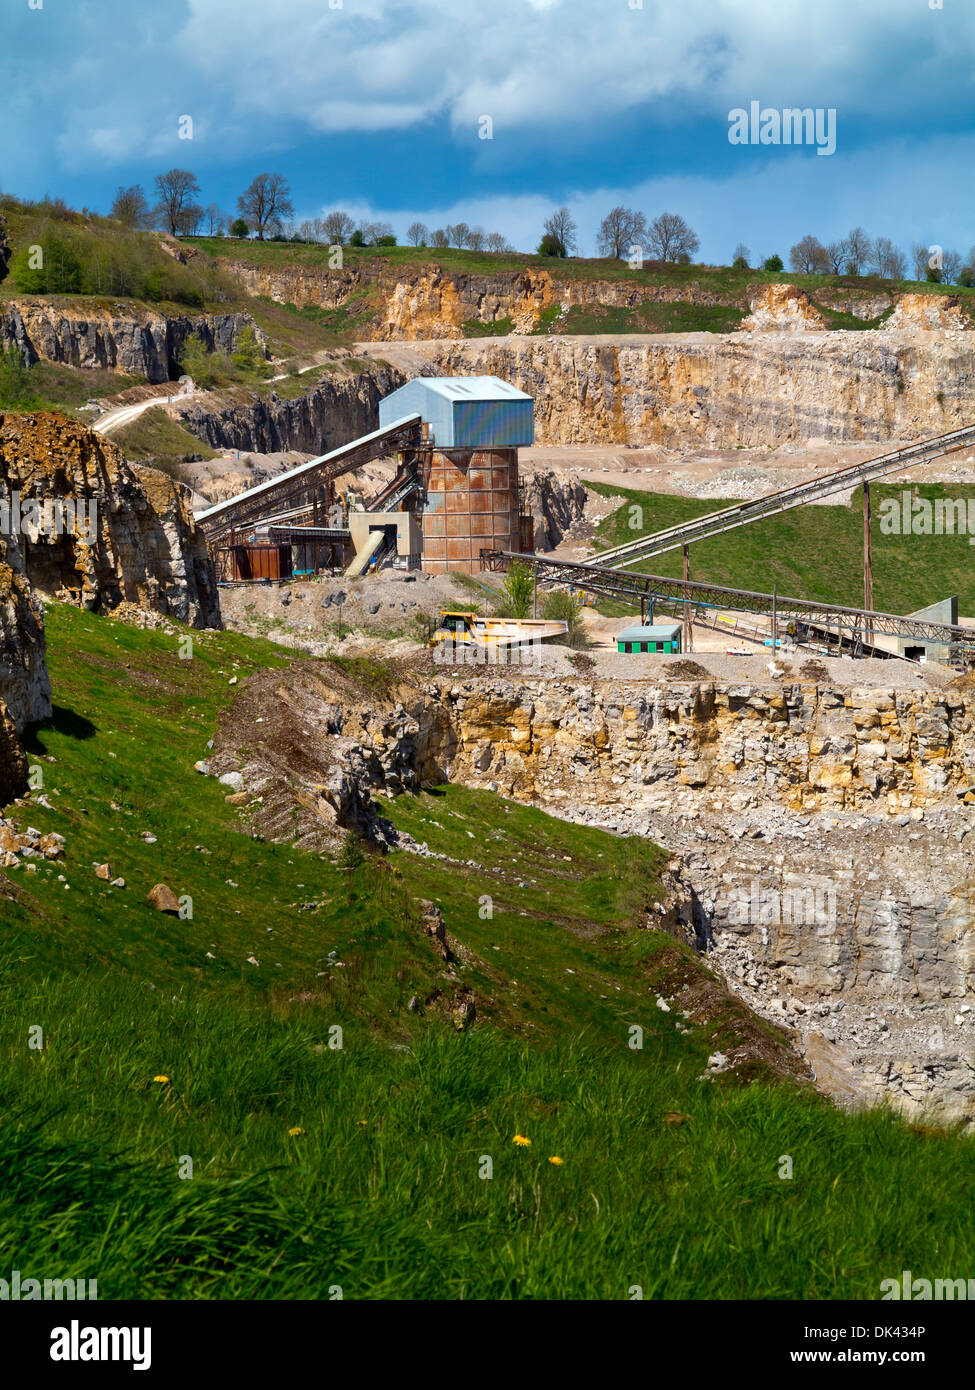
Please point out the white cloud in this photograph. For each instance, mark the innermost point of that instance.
(573, 62)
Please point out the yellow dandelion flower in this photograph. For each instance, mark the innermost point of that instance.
(363, 1122)
(295, 1130)
(163, 1080)
(556, 1160)
(521, 1140)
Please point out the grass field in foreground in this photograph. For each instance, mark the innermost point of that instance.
(317, 1167)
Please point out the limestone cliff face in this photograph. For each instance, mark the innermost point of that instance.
(926, 312)
(25, 688)
(821, 848)
(127, 535)
(307, 286)
(128, 337)
(437, 305)
(555, 502)
(799, 746)
(341, 408)
(782, 308)
(426, 301)
(767, 389)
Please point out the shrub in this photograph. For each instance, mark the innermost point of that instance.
(54, 257)
(48, 265)
(774, 263)
(209, 368)
(16, 389)
(350, 855)
(517, 591)
(550, 245)
(561, 606)
(249, 355)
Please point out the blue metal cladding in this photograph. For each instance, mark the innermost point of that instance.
(465, 412)
(493, 424)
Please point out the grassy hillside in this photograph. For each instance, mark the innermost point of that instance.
(811, 552)
(91, 263)
(722, 280)
(94, 257)
(212, 1040)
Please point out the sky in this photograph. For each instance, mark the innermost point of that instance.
(378, 107)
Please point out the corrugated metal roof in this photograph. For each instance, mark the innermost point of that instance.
(469, 412)
(659, 632)
(472, 388)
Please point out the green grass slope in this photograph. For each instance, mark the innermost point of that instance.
(190, 1127)
(811, 552)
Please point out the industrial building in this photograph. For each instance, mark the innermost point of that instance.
(654, 637)
(455, 491)
(469, 475)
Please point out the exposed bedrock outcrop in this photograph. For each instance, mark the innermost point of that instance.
(822, 837)
(126, 336)
(782, 308)
(341, 408)
(25, 687)
(94, 531)
(397, 302)
(555, 501)
(757, 390)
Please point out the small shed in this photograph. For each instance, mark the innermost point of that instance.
(658, 637)
(465, 412)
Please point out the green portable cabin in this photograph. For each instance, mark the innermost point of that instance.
(659, 637)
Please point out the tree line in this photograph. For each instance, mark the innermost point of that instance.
(859, 254)
(265, 210)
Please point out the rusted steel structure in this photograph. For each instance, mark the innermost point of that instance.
(302, 489)
(469, 475)
(457, 439)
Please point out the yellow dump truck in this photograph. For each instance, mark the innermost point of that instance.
(468, 629)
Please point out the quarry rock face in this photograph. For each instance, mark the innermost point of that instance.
(926, 313)
(799, 746)
(341, 408)
(409, 304)
(555, 501)
(425, 301)
(761, 390)
(304, 286)
(437, 304)
(782, 309)
(25, 689)
(130, 338)
(127, 536)
(822, 837)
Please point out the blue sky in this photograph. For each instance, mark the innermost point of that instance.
(374, 106)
